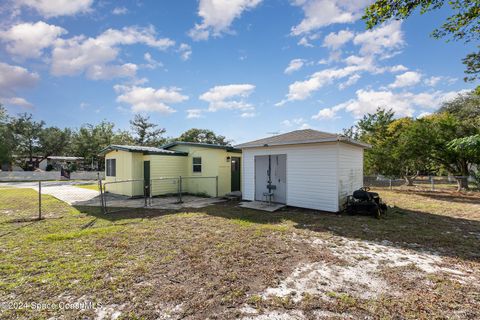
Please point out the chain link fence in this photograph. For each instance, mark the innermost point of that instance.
(423, 183)
(40, 199)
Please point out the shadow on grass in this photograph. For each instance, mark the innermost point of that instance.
(416, 230)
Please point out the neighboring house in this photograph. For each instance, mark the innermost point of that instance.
(303, 168)
(198, 164)
(61, 162)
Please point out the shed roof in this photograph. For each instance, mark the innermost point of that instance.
(204, 145)
(142, 149)
(301, 137)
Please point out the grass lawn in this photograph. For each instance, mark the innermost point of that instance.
(93, 186)
(225, 262)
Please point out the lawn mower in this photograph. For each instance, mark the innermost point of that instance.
(364, 202)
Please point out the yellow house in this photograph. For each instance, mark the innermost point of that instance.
(195, 168)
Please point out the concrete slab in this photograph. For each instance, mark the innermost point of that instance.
(166, 203)
(260, 205)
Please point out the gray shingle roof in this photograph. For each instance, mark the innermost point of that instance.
(142, 149)
(300, 137)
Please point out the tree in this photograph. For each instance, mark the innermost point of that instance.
(6, 137)
(26, 133)
(372, 129)
(122, 137)
(457, 124)
(203, 136)
(443, 129)
(466, 108)
(145, 132)
(90, 139)
(408, 144)
(399, 147)
(462, 25)
(469, 147)
(53, 141)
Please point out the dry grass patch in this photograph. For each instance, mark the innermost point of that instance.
(226, 262)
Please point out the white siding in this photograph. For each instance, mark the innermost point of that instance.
(350, 170)
(311, 174)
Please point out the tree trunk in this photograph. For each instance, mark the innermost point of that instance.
(409, 178)
(462, 179)
(409, 181)
(462, 183)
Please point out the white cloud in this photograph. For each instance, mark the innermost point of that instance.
(350, 81)
(16, 101)
(194, 113)
(325, 113)
(337, 40)
(119, 11)
(94, 55)
(294, 65)
(12, 79)
(382, 40)
(403, 104)
(301, 90)
(230, 96)
(28, 40)
(406, 79)
(292, 122)
(248, 115)
(102, 72)
(185, 51)
(432, 81)
(149, 99)
(55, 8)
(321, 13)
(398, 68)
(218, 15)
(151, 62)
(299, 123)
(304, 42)
(424, 114)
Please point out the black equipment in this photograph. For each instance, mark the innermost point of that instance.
(363, 201)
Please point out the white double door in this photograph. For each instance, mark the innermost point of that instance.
(272, 167)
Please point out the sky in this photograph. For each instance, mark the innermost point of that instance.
(245, 69)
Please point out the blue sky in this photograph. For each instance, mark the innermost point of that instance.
(243, 68)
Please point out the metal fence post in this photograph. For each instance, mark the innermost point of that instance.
(433, 183)
(102, 196)
(390, 184)
(180, 189)
(216, 187)
(150, 195)
(39, 200)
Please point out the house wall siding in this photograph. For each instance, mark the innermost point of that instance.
(214, 163)
(311, 174)
(124, 162)
(166, 167)
(350, 171)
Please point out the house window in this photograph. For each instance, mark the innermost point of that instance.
(111, 167)
(197, 164)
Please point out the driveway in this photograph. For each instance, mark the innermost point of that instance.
(62, 190)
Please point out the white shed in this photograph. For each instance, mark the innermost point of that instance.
(303, 168)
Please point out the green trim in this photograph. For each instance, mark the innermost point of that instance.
(204, 145)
